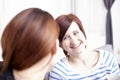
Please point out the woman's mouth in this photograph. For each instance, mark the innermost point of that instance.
(76, 46)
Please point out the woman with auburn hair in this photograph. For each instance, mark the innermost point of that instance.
(80, 63)
(29, 43)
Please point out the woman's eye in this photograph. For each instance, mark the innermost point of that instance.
(65, 38)
(75, 33)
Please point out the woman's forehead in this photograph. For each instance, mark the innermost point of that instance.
(73, 26)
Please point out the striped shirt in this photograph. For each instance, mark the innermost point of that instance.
(105, 66)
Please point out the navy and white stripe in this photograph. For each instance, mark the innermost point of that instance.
(106, 65)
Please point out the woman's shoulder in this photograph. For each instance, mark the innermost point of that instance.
(7, 75)
(107, 57)
(60, 70)
(1, 65)
(62, 62)
(104, 53)
(61, 65)
(1, 76)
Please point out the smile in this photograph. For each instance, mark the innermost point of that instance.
(76, 46)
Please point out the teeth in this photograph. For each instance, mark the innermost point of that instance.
(76, 45)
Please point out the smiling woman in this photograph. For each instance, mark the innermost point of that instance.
(80, 63)
(73, 40)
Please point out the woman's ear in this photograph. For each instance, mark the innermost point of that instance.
(60, 45)
(55, 47)
(85, 43)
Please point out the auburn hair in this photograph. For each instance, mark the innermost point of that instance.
(28, 38)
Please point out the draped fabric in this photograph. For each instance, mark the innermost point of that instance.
(109, 35)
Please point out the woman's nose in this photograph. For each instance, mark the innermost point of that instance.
(73, 40)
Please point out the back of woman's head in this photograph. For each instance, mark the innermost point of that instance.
(28, 38)
(64, 22)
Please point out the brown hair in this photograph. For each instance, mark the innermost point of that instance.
(64, 22)
(28, 38)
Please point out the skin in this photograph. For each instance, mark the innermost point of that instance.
(74, 40)
(74, 43)
(38, 71)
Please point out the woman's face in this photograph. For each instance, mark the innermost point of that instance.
(74, 40)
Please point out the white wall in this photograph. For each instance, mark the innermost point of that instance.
(12, 7)
(116, 28)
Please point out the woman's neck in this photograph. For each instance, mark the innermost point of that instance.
(79, 58)
(28, 75)
(35, 72)
(84, 62)
(85, 58)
